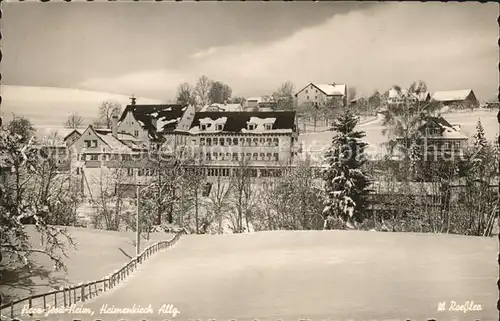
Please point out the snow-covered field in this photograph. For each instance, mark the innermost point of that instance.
(319, 275)
(316, 143)
(97, 254)
(49, 107)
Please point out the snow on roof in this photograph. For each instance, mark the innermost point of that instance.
(113, 142)
(451, 95)
(453, 133)
(332, 89)
(257, 99)
(164, 121)
(223, 107)
(393, 93)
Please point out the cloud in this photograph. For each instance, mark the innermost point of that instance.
(203, 53)
(450, 46)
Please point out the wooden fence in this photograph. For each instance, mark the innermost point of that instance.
(67, 296)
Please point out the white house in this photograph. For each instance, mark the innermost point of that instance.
(322, 94)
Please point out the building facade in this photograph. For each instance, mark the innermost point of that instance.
(322, 95)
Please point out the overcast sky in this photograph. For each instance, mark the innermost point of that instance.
(148, 49)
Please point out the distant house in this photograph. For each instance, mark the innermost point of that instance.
(322, 94)
(438, 138)
(72, 137)
(222, 107)
(259, 104)
(457, 99)
(396, 97)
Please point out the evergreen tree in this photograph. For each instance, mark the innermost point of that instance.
(480, 148)
(345, 182)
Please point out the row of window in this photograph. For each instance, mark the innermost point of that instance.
(242, 156)
(220, 127)
(105, 157)
(241, 141)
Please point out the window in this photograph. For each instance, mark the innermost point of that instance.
(228, 140)
(249, 141)
(235, 156)
(261, 156)
(83, 157)
(242, 156)
(457, 145)
(255, 141)
(221, 140)
(216, 141)
(136, 133)
(269, 141)
(203, 127)
(88, 143)
(255, 156)
(202, 141)
(315, 97)
(235, 141)
(262, 141)
(208, 156)
(140, 172)
(268, 156)
(221, 156)
(228, 156)
(220, 127)
(251, 126)
(242, 141)
(276, 156)
(94, 157)
(447, 145)
(249, 156)
(209, 141)
(276, 141)
(215, 155)
(268, 126)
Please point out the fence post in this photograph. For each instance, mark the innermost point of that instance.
(64, 295)
(74, 294)
(12, 310)
(82, 292)
(55, 299)
(69, 295)
(44, 303)
(30, 303)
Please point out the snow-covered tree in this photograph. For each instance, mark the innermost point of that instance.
(346, 184)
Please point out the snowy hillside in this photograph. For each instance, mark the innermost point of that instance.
(49, 107)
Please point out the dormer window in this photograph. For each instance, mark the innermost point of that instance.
(268, 126)
(251, 126)
(203, 127)
(220, 127)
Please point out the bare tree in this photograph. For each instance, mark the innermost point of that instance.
(220, 199)
(284, 96)
(202, 90)
(242, 194)
(107, 110)
(186, 94)
(74, 121)
(219, 93)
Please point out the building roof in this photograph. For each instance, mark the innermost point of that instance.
(166, 116)
(449, 131)
(329, 89)
(452, 95)
(223, 107)
(237, 121)
(71, 132)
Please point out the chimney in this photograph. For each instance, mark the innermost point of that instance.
(114, 125)
(133, 99)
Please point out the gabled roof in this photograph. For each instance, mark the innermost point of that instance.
(329, 89)
(167, 116)
(70, 133)
(237, 121)
(452, 95)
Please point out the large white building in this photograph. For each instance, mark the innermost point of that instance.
(322, 94)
